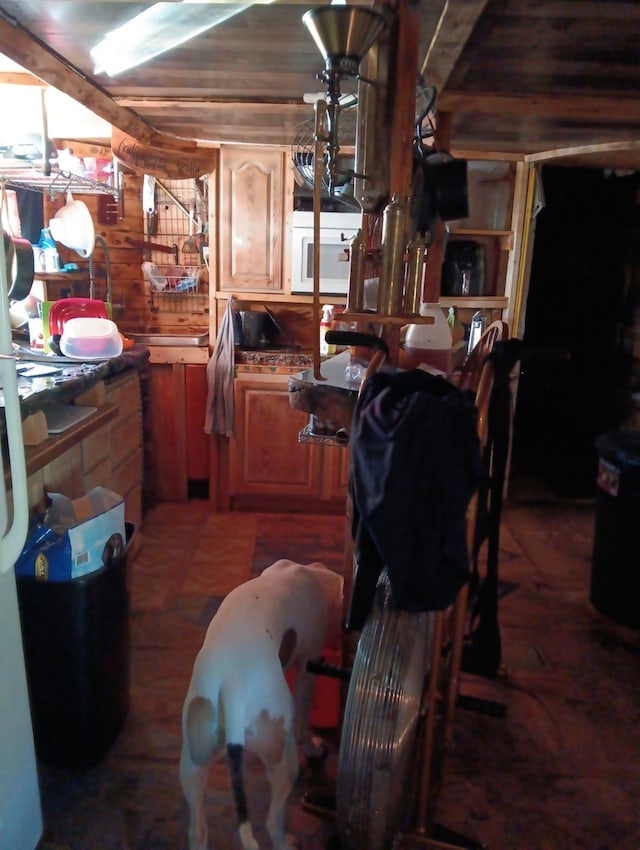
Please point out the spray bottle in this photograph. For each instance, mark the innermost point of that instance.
(325, 325)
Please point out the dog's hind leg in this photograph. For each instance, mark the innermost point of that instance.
(193, 779)
(235, 753)
(282, 775)
(199, 745)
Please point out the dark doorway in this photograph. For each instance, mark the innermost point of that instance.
(574, 383)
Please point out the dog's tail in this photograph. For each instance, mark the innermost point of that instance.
(201, 730)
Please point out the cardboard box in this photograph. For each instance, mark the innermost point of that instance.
(74, 537)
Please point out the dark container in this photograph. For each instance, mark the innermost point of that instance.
(463, 270)
(253, 328)
(76, 645)
(615, 574)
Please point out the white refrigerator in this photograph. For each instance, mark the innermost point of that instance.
(20, 811)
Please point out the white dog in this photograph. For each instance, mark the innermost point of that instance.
(238, 697)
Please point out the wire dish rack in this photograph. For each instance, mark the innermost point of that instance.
(187, 303)
(175, 278)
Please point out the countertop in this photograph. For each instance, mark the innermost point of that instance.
(70, 379)
(334, 376)
(290, 357)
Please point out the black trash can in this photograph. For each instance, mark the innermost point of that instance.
(76, 645)
(615, 574)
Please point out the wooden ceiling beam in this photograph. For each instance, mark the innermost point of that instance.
(598, 109)
(29, 52)
(456, 23)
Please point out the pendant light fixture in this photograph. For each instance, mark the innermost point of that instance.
(343, 35)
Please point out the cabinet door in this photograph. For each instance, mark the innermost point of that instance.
(335, 477)
(251, 219)
(167, 454)
(195, 379)
(176, 447)
(126, 443)
(265, 455)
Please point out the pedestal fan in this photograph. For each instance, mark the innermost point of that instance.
(379, 729)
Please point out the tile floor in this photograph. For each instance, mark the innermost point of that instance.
(560, 771)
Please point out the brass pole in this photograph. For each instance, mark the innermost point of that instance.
(318, 166)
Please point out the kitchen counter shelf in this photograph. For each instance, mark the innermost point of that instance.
(104, 448)
(378, 319)
(240, 298)
(51, 448)
(74, 378)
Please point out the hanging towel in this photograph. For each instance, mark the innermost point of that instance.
(220, 401)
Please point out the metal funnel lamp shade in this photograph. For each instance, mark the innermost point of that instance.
(343, 35)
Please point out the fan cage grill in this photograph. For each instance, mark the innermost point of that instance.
(303, 150)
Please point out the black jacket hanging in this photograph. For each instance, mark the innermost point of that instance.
(415, 463)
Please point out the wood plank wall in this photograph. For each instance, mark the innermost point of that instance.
(129, 291)
(135, 308)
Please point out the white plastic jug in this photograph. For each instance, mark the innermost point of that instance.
(430, 344)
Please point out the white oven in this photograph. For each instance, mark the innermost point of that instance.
(336, 232)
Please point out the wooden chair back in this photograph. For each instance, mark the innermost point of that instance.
(471, 371)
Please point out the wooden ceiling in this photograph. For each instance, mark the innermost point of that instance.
(548, 81)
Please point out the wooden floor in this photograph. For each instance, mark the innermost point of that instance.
(560, 770)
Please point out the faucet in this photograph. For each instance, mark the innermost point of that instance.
(92, 282)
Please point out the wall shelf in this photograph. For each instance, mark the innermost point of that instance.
(495, 302)
(26, 176)
(380, 319)
(62, 276)
(468, 231)
(505, 237)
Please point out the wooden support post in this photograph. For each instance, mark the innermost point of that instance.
(435, 252)
(403, 60)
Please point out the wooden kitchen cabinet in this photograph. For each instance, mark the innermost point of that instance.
(254, 219)
(269, 469)
(102, 451)
(126, 454)
(265, 455)
(177, 449)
